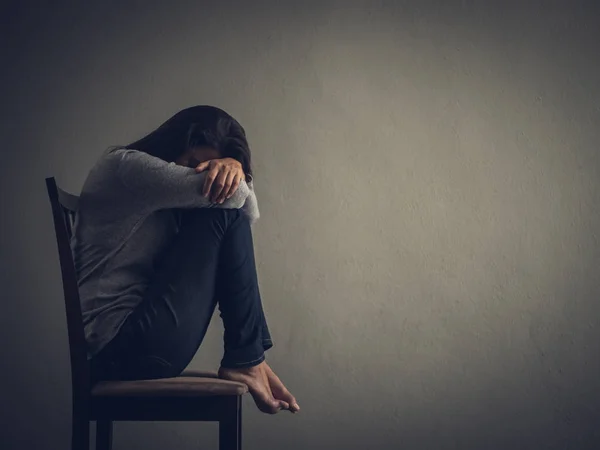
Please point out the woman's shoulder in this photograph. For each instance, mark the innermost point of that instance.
(104, 176)
(117, 152)
(110, 157)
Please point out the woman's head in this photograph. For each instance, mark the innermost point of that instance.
(195, 134)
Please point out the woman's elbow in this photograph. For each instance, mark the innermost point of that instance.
(237, 200)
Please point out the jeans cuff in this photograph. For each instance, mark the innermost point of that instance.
(267, 344)
(243, 364)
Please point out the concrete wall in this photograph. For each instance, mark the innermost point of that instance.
(429, 181)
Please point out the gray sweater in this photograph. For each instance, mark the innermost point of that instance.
(123, 225)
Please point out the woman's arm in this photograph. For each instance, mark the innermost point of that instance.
(158, 184)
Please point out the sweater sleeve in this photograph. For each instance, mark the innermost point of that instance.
(251, 205)
(157, 184)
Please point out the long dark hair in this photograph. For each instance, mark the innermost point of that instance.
(201, 125)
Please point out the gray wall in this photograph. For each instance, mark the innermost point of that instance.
(429, 182)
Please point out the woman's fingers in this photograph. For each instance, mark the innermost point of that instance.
(202, 166)
(210, 178)
(219, 184)
(222, 180)
(237, 179)
(236, 184)
(228, 186)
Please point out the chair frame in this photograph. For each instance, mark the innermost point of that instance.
(224, 409)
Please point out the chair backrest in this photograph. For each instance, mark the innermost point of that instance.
(64, 209)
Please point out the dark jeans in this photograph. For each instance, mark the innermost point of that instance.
(210, 261)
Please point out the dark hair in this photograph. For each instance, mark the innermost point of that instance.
(201, 125)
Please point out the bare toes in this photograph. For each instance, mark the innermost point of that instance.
(280, 392)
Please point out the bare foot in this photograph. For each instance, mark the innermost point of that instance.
(256, 378)
(279, 390)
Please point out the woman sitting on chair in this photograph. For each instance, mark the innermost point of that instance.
(161, 236)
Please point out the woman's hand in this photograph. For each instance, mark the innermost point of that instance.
(224, 177)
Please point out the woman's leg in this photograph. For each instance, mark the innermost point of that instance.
(211, 258)
(246, 335)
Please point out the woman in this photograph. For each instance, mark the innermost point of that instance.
(161, 236)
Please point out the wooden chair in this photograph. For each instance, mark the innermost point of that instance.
(193, 396)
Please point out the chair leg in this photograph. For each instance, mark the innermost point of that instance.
(104, 435)
(230, 426)
(80, 433)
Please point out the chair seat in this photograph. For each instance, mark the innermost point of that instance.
(191, 383)
(199, 373)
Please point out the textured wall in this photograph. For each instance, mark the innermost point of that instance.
(429, 180)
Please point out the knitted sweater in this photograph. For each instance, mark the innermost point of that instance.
(122, 227)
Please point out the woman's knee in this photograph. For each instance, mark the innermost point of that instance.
(209, 213)
(221, 216)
